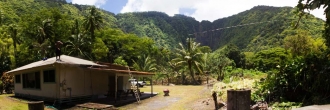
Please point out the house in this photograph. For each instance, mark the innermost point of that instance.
(70, 79)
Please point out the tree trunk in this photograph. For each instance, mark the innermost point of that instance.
(168, 80)
(182, 77)
(220, 75)
(192, 74)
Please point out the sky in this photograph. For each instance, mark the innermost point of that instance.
(199, 9)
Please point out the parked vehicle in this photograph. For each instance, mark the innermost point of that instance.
(137, 83)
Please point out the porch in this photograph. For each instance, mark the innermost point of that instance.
(108, 102)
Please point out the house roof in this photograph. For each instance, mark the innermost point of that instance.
(123, 71)
(77, 61)
(119, 69)
(64, 60)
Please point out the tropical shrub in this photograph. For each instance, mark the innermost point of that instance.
(7, 82)
(300, 79)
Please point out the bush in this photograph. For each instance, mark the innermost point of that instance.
(7, 82)
(302, 79)
(236, 74)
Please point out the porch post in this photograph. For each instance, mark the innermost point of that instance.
(152, 92)
(116, 77)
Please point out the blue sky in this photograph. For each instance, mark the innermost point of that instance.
(199, 9)
(110, 5)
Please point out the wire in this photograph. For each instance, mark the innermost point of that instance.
(240, 25)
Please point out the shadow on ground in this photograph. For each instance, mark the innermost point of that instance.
(73, 105)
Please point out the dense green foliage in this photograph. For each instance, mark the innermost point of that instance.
(304, 77)
(177, 47)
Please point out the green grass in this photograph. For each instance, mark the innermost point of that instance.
(7, 103)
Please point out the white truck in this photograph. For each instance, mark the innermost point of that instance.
(137, 83)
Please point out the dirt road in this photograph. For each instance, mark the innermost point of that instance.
(181, 97)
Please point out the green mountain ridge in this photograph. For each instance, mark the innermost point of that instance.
(167, 31)
(270, 26)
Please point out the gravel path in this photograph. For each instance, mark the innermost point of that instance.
(314, 107)
(157, 104)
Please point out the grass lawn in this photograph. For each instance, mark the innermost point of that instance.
(181, 97)
(7, 103)
(10, 104)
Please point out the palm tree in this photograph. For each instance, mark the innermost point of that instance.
(190, 56)
(76, 46)
(41, 48)
(45, 31)
(93, 21)
(145, 63)
(175, 69)
(77, 43)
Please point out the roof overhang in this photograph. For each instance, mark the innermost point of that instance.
(123, 71)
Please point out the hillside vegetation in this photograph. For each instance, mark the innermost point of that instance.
(270, 24)
(263, 42)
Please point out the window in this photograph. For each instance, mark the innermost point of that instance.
(31, 80)
(18, 78)
(49, 76)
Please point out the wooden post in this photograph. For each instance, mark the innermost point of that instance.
(151, 85)
(238, 99)
(116, 77)
(38, 105)
(215, 99)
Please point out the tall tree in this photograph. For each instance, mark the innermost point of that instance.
(300, 44)
(233, 53)
(93, 21)
(4, 53)
(45, 31)
(77, 43)
(217, 64)
(189, 55)
(13, 31)
(314, 4)
(41, 49)
(1, 17)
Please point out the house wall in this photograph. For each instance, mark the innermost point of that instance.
(46, 89)
(82, 81)
(126, 84)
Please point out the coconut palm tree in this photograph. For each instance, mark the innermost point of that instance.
(45, 31)
(77, 43)
(76, 46)
(145, 63)
(93, 21)
(189, 55)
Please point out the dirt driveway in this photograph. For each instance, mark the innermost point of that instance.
(181, 98)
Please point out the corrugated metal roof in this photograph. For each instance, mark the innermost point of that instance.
(64, 60)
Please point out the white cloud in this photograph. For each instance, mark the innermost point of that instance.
(206, 9)
(90, 2)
